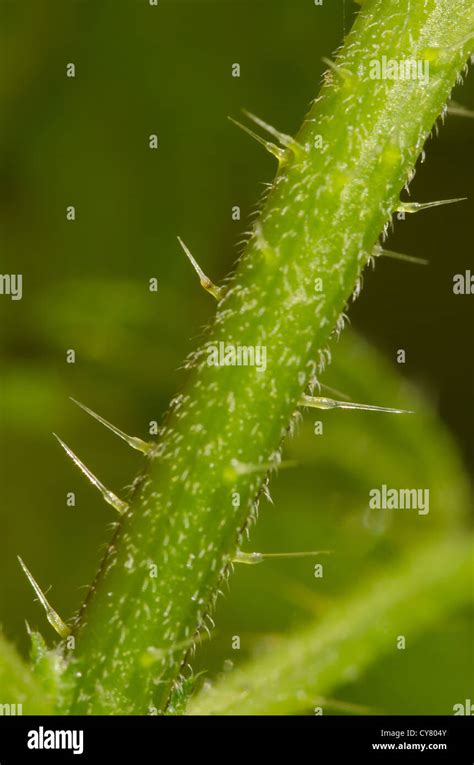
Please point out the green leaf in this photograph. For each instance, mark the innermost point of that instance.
(18, 684)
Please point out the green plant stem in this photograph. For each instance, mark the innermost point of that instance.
(405, 601)
(330, 201)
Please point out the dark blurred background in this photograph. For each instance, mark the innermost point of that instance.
(83, 141)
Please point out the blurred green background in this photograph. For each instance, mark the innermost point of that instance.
(84, 142)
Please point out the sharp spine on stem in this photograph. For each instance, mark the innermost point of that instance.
(136, 443)
(280, 154)
(108, 495)
(414, 207)
(286, 140)
(318, 402)
(458, 110)
(53, 618)
(346, 75)
(251, 559)
(379, 252)
(206, 283)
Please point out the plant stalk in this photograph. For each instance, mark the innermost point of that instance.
(338, 185)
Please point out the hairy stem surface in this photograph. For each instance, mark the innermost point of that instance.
(334, 193)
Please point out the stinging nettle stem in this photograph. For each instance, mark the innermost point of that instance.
(320, 223)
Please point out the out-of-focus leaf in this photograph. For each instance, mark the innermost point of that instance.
(323, 503)
(400, 603)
